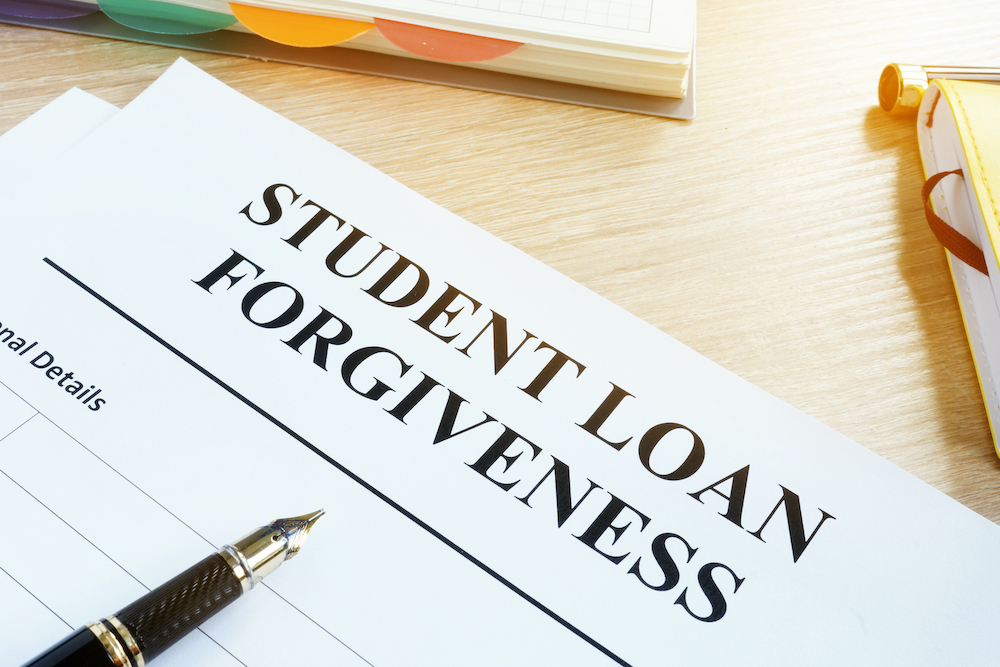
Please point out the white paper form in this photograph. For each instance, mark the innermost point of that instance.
(23, 150)
(61, 502)
(48, 133)
(276, 327)
(56, 499)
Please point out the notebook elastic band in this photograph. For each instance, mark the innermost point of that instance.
(956, 243)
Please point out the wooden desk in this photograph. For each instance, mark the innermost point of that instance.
(780, 233)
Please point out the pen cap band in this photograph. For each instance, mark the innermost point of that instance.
(118, 654)
(126, 640)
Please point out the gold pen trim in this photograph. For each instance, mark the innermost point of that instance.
(902, 87)
(238, 564)
(130, 644)
(110, 642)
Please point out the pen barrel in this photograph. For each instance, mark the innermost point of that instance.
(80, 649)
(164, 615)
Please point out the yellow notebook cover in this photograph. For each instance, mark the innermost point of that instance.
(958, 128)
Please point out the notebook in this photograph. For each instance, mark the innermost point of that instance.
(635, 47)
(959, 129)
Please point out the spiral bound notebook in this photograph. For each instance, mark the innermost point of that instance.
(958, 128)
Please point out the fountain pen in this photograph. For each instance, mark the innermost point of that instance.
(147, 627)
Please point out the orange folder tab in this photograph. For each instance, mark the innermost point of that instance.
(295, 29)
(444, 45)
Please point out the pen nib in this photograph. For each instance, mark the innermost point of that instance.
(296, 529)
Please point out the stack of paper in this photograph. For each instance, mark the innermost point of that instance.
(213, 318)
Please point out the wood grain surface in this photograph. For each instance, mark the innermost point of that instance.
(779, 234)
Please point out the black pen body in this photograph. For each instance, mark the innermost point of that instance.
(147, 627)
(150, 625)
(81, 649)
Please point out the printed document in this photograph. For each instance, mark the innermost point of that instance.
(212, 319)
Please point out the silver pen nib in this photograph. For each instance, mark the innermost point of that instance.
(296, 529)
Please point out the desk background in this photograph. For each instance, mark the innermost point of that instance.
(780, 233)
